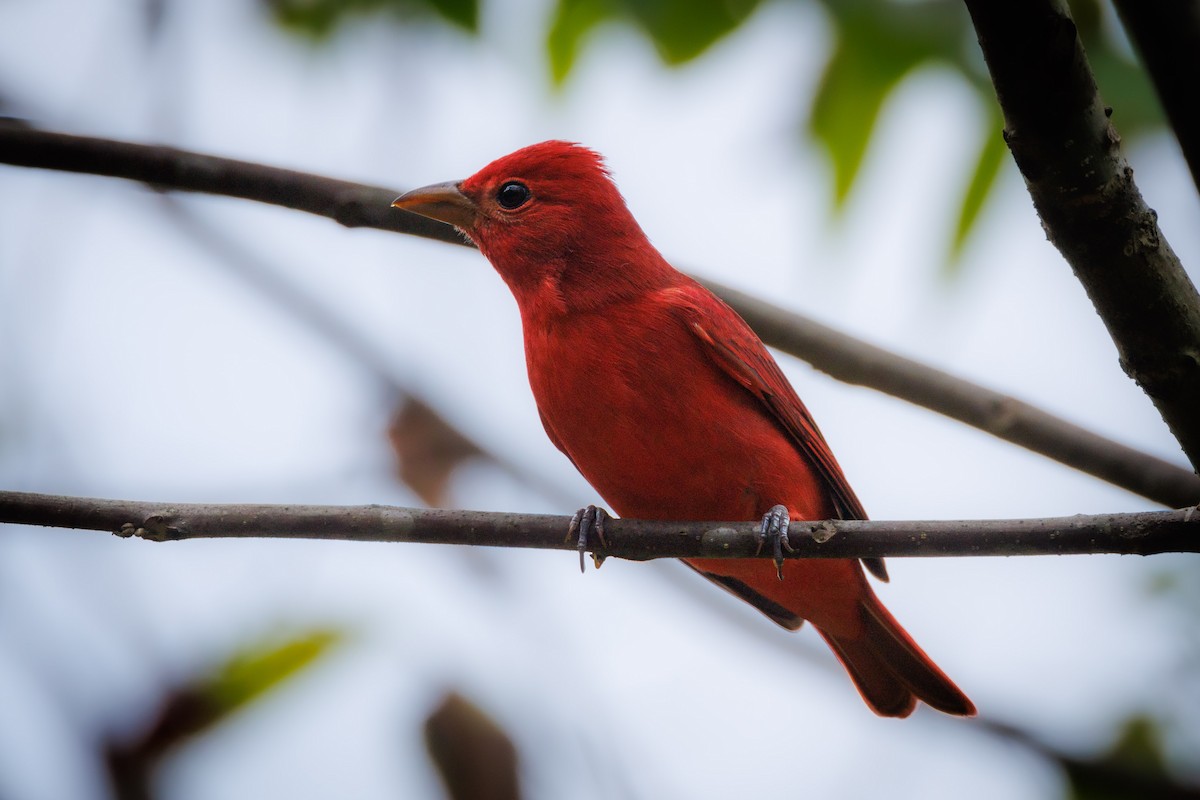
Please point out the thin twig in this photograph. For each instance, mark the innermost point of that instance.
(836, 353)
(1145, 533)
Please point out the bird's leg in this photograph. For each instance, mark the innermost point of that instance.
(587, 521)
(774, 528)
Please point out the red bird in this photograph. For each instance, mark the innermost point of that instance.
(671, 406)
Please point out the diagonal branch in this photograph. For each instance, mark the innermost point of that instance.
(354, 205)
(1145, 533)
(1004, 416)
(840, 355)
(1058, 131)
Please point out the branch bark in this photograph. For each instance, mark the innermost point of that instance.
(839, 355)
(1144, 533)
(1058, 131)
(1166, 34)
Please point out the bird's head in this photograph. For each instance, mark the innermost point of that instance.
(548, 214)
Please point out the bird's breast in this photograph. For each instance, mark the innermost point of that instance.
(657, 428)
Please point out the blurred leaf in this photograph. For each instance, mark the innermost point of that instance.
(255, 670)
(572, 22)
(1123, 83)
(194, 708)
(679, 29)
(1140, 745)
(1133, 768)
(844, 113)
(429, 449)
(1127, 90)
(464, 13)
(473, 754)
(878, 44)
(992, 154)
(319, 18)
(683, 29)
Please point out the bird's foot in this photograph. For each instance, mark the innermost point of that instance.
(587, 522)
(774, 529)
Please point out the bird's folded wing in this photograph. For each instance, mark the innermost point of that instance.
(734, 347)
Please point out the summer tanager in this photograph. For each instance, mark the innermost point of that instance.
(671, 407)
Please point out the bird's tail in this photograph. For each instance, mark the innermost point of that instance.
(891, 671)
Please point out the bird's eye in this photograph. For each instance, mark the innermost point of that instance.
(512, 195)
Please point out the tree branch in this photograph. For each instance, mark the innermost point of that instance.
(1166, 34)
(1004, 416)
(1145, 533)
(354, 205)
(1058, 131)
(835, 353)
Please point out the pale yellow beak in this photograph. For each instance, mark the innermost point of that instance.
(440, 201)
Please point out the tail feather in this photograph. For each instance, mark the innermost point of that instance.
(881, 690)
(891, 671)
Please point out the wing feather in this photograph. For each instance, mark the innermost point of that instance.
(734, 347)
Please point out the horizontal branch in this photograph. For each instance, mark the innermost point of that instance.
(838, 354)
(1145, 533)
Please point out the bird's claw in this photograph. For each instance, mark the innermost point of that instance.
(586, 522)
(774, 528)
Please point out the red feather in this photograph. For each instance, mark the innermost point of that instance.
(670, 406)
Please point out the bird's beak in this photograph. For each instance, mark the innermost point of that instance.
(441, 201)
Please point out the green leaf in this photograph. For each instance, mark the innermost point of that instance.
(1134, 767)
(1126, 88)
(683, 29)
(1141, 745)
(463, 13)
(680, 30)
(1123, 83)
(260, 668)
(847, 105)
(573, 21)
(878, 44)
(993, 152)
(318, 19)
(203, 702)
(312, 18)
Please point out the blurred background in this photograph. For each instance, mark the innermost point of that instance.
(841, 159)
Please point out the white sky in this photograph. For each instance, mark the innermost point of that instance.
(136, 366)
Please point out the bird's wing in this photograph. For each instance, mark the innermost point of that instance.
(734, 347)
